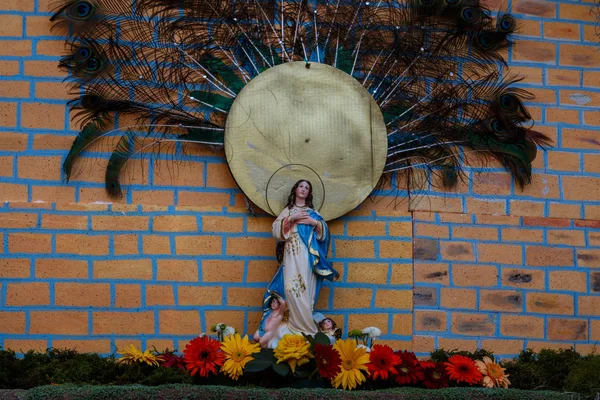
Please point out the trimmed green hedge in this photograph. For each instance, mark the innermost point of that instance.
(191, 392)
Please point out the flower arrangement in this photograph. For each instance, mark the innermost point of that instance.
(352, 363)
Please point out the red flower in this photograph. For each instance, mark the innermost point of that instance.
(435, 375)
(172, 360)
(328, 360)
(409, 370)
(202, 355)
(383, 360)
(463, 369)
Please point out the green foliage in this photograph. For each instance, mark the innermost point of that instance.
(442, 355)
(547, 369)
(584, 376)
(172, 392)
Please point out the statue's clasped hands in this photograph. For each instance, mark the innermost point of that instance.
(302, 217)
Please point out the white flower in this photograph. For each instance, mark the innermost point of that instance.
(219, 327)
(228, 331)
(372, 332)
(362, 346)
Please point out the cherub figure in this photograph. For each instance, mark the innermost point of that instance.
(329, 327)
(272, 323)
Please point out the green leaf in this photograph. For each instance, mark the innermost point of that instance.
(257, 365)
(345, 61)
(218, 67)
(322, 338)
(204, 135)
(216, 100)
(282, 368)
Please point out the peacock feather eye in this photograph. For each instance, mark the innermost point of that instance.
(468, 14)
(485, 40)
(497, 126)
(91, 101)
(509, 102)
(82, 54)
(93, 64)
(81, 10)
(506, 23)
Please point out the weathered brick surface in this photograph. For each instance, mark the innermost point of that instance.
(494, 266)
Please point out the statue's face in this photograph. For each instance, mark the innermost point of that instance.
(275, 304)
(303, 190)
(327, 324)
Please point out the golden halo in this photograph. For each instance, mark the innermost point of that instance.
(293, 120)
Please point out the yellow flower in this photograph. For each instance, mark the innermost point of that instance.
(493, 374)
(238, 352)
(132, 355)
(354, 361)
(294, 349)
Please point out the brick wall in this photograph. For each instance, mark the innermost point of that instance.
(179, 252)
(505, 282)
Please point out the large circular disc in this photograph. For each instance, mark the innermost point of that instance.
(317, 123)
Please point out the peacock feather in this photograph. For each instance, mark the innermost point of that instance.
(177, 66)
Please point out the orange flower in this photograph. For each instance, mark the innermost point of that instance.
(493, 374)
(383, 360)
(202, 355)
(463, 369)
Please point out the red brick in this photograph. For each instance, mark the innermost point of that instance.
(432, 230)
(156, 244)
(580, 139)
(458, 298)
(434, 321)
(435, 203)
(499, 253)
(123, 323)
(159, 295)
(198, 245)
(501, 346)
(59, 322)
(219, 176)
(498, 220)
(432, 273)
(119, 223)
(474, 275)
(354, 248)
(500, 300)
(401, 229)
(563, 161)
(83, 346)
(29, 243)
(553, 222)
(176, 322)
(186, 174)
(177, 270)
(591, 79)
(151, 197)
(472, 324)
(23, 346)
(491, 183)
(458, 344)
(14, 268)
(259, 224)
(562, 77)
(577, 55)
(123, 269)
(588, 258)
(128, 296)
(535, 7)
(479, 233)
(567, 329)
(81, 294)
(570, 237)
(560, 210)
(576, 12)
(522, 326)
(15, 48)
(523, 278)
(455, 250)
(549, 256)
(261, 270)
(199, 199)
(50, 221)
(546, 303)
(527, 50)
(423, 344)
(222, 224)
(61, 268)
(401, 323)
(12, 322)
(561, 30)
(402, 274)
(589, 305)
(395, 249)
(201, 295)
(14, 89)
(27, 294)
(361, 228)
(222, 271)
(126, 244)
(522, 235)
(82, 244)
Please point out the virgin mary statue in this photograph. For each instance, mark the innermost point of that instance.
(303, 266)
